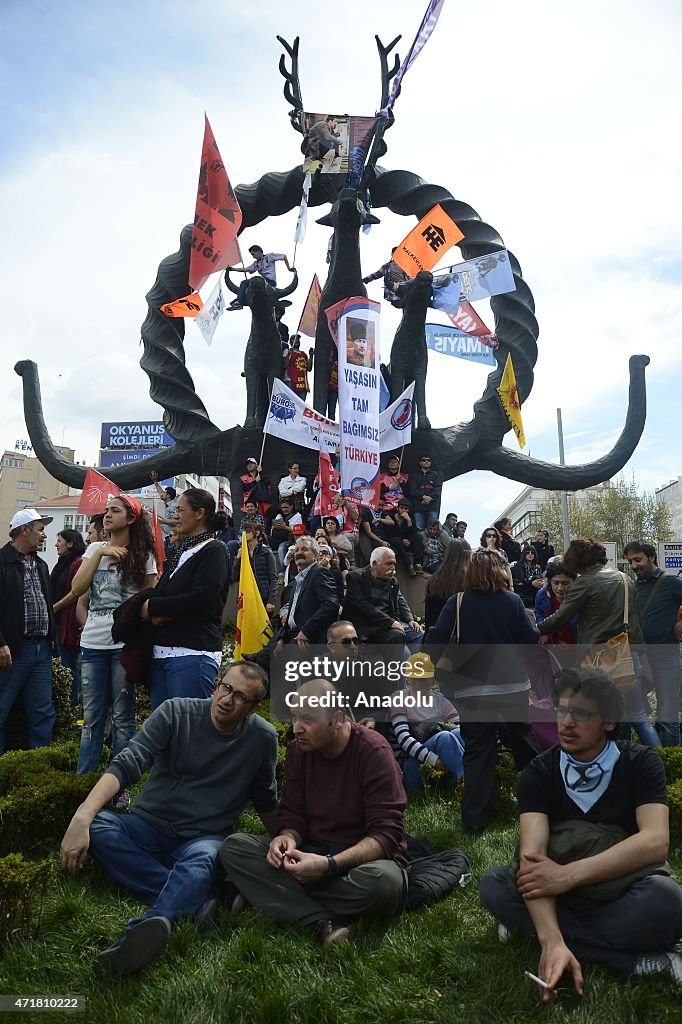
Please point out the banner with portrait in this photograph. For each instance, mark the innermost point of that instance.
(480, 278)
(336, 143)
(358, 345)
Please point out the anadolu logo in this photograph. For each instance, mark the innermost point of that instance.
(282, 408)
(359, 486)
(402, 416)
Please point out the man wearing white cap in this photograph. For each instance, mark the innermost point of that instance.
(26, 628)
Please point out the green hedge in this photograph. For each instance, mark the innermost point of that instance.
(22, 887)
(672, 762)
(39, 792)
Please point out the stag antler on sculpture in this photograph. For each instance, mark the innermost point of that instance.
(292, 85)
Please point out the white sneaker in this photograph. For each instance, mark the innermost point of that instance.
(503, 933)
(657, 963)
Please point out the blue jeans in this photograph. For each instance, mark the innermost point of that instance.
(70, 660)
(30, 676)
(665, 667)
(413, 638)
(422, 519)
(191, 676)
(281, 555)
(635, 715)
(448, 746)
(104, 684)
(174, 876)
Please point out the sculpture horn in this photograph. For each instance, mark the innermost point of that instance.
(281, 292)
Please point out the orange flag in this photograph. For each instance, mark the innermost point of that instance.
(427, 242)
(189, 306)
(308, 322)
(158, 540)
(97, 489)
(217, 217)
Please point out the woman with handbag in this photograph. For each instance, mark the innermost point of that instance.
(187, 605)
(482, 672)
(604, 602)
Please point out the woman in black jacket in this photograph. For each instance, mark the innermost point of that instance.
(543, 549)
(187, 605)
(447, 580)
(527, 576)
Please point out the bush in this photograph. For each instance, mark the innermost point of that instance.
(67, 715)
(39, 793)
(675, 806)
(672, 762)
(22, 884)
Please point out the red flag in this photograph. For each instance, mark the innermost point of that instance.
(308, 322)
(189, 305)
(158, 538)
(97, 490)
(467, 319)
(329, 486)
(217, 217)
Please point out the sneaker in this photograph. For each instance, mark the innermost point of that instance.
(280, 578)
(239, 905)
(121, 801)
(417, 567)
(236, 304)
(206, 917)
(503, 933)
(411, 570)
(137, 947)
(333, 932)
(657, 963)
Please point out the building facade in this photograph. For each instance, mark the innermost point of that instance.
(24, 483)
(671, 495)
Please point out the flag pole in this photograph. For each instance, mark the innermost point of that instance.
(400, 460)
(265, 433)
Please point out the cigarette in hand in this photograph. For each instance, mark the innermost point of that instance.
(538, 981)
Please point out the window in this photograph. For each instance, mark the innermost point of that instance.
(13, 463)
(68, 522)
(22, 504)
(26, 485)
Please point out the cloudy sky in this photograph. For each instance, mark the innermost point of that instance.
(555, 122)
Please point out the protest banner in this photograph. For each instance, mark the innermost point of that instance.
(217, 217)
(482, 277)
(427, 242)
(358, 346)
(451, 342)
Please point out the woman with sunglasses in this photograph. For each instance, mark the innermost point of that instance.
(527, 577)
(112, 570)
(187, 605)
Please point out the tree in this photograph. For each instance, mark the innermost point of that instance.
(619, 512)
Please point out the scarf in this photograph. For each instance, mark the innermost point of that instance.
(190, 542)
(586, 781)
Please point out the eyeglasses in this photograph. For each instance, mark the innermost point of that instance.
(577, 714)
(238, 697)
(347, 641)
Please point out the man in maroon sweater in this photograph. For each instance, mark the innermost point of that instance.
(340, 851)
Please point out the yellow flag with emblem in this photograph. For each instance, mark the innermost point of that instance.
(511, 403)
(253, 622)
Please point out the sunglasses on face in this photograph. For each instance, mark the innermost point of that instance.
(348, 641)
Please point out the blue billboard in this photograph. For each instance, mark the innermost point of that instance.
(119, 458)
(137, 434)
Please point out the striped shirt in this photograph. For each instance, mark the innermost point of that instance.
(36, 618)
(403, 742)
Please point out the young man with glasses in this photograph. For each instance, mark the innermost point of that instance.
(591, 880)
(206, 758)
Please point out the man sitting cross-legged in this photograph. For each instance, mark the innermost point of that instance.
(207, 758)
(340, 851)
(591, 881)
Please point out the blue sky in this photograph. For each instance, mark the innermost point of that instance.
(557, 123)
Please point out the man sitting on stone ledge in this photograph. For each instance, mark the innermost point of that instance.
(375, 605)
(591, 879)
(207, 758)
(341, 848)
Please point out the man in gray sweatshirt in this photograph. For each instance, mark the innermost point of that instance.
(205, 759)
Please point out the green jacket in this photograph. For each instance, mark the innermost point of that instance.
(597, 599)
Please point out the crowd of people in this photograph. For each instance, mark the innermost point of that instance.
(505, 626)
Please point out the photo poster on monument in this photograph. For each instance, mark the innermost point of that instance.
(336, 143)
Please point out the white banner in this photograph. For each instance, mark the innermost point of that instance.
(358, 345)
(302, 220)
(294, 421)
(480, 278)
(214, 307)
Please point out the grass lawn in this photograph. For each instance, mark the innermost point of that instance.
(442, 963)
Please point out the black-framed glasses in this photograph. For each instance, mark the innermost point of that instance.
(227, 690)
(348, 641)
(577, 714)
(490, 535)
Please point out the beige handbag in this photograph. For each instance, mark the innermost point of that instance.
(615, 657)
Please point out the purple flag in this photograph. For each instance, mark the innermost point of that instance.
(427, 26)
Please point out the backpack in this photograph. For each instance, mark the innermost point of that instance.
(432, 877)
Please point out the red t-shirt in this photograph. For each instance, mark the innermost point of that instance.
(333, 384)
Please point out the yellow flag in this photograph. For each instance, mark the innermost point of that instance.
(308, 322)
(253, 623)
(427, 242)
(511, 403)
